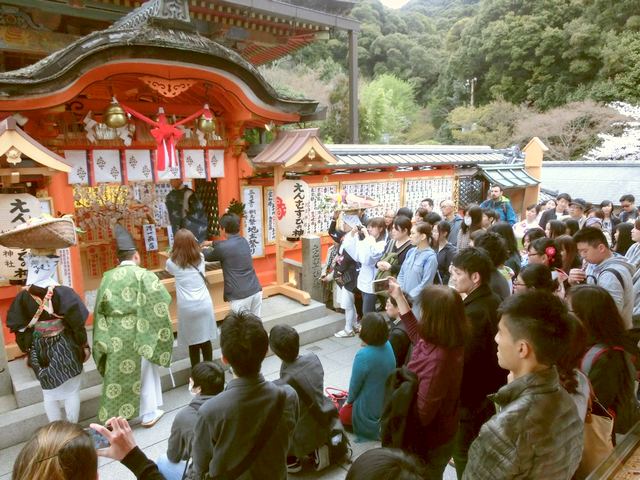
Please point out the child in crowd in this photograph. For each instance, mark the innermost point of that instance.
(305, 374)
(207, 380)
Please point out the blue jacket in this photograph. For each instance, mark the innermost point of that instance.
(372, 366)
(417, 271)
(504, 209)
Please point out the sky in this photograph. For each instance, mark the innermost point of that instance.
(394, 3)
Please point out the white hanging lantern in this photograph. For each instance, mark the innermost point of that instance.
(292, 207)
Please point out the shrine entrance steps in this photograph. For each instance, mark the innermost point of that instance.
(22, 412)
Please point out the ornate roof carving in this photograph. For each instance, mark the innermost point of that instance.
(176, 11)
(162, 28)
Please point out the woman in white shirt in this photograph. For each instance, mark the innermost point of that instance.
(196, 321)
(369, 250)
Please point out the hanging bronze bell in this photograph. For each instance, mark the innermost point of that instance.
(206, 125)
(115, 116)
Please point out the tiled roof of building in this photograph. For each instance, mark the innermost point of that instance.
(594, 181)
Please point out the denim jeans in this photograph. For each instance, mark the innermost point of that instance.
(368, 302)
(170, 470)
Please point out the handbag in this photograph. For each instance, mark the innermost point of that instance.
(346, 414)
(337, 396)
(598, 437)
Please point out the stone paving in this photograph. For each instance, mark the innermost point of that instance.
(336, 355)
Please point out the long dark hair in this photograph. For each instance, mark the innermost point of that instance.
(537, 275)
(442, 318)
(475, 212)
(595, 307)
(185, 251)
(572, 225)
(569, 252)
(505, 230)
(571, 356)
(557, 228)
(623, 239)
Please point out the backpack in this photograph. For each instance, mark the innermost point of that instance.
(398, 334)
(629, 412)
(635, 287)
(392, 258)
(399, 399)
(344, 270)
(337, 449)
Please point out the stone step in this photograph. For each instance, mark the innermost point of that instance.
(276, 310)
(18, 424)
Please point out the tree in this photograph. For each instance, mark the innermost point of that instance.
(389, 106)
(491, 124)
(571, 130)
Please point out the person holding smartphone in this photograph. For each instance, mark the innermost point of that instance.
(346, 268)
(63, 450)
(370, 247)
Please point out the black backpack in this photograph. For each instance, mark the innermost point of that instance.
(337, 449)
(399, 399)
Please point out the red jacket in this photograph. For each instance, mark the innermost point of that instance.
(439, 372)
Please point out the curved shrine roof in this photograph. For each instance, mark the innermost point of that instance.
(149, 36)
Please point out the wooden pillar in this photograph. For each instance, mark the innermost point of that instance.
(62, 194)
(229, 186)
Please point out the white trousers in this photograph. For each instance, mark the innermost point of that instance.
(252, 304)
(350, 314)
(65, 397)
(150, 390)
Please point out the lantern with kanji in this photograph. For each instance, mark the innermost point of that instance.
(292, 207)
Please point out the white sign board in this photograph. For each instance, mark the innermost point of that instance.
(15, 209)
(253, 221)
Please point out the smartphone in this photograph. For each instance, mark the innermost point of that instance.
(381, 285)
(99, 440)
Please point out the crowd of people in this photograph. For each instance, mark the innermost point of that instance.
(486, 342)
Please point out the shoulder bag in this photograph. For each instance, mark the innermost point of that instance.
(206, 282)
(598, 437)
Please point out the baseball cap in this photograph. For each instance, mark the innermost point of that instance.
(582, 203)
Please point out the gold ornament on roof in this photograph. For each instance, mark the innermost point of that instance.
(206, 122)
(115, 116)
(206, 125)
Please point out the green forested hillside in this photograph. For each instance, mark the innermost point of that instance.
(527, 57)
